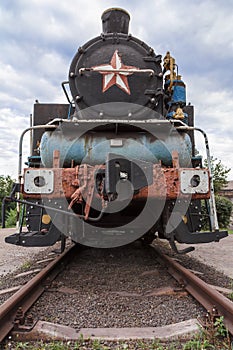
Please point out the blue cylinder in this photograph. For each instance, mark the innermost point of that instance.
(178, 92)
(93, 148)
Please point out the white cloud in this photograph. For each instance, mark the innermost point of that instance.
(11, 126)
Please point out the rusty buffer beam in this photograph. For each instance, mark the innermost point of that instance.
(23, 299)
(200, 290)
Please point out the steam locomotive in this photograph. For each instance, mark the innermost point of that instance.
(117, 162)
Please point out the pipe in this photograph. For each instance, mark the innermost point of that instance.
(21, 144)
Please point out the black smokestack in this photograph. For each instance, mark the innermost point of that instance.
(115, 20)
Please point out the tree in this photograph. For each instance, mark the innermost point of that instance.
(223, 205)
(224, 209)
(6, 183)
(219, 173)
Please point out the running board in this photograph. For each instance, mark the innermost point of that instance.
(34, 238)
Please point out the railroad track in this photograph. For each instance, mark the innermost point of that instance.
(12, 312)
(207, 296)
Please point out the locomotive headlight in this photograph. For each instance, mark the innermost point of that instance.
(194, 181)
(38, 181)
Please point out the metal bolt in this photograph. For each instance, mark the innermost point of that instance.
(29, 320)
(19, 312)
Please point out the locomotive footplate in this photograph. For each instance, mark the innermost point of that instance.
(181, 234)
(35, 238)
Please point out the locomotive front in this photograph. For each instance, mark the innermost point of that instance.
(117, 162)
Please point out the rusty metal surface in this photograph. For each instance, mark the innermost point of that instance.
(24, 298)
(77, 184)
(165, 183)
(205, 294)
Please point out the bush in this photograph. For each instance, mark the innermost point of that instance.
(11, 218)
(224, 208)
(5, 188)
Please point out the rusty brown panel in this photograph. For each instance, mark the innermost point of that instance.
(166, 183)
(157, 189)
(172, 182)
(68, 180)
(56, 159)
(175, 160)
(64, 184)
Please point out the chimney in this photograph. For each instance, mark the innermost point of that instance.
(115, 20)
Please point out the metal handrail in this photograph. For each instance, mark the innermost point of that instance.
(151, 72)
(213, 210)
(46, 126)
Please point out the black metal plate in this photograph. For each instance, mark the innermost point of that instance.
(87, 89)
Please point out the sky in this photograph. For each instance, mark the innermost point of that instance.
(38, 39)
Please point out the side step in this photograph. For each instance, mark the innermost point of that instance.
(35, 238)
(182, 234)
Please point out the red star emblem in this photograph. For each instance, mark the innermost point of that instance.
(115, 73)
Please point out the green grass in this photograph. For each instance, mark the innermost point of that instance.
(198, 342)
(26, 265)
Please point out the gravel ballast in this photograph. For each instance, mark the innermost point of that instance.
(116, 288)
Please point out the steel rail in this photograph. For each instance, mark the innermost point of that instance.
(200, 290)
(26, 296)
